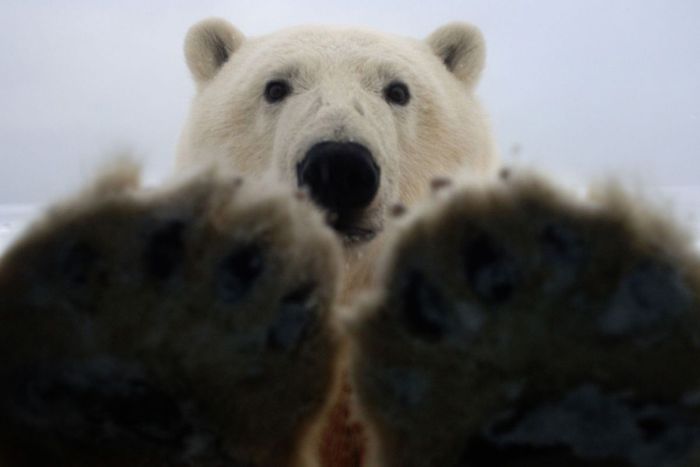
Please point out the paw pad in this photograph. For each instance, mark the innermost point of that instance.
(588, 426)
(238, 271)
(296, 316)
(491, 271)
(646, 297)
(425, 312)
(165, 250)
(561, 245)
(76, 262)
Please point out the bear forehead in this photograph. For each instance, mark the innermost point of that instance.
(328, 44)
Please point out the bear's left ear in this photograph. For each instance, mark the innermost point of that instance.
(208, 45)
(461, 48)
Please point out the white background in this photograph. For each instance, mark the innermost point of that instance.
(583, 88)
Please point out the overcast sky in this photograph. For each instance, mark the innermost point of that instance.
(586, 88)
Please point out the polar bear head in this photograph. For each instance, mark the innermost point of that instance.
(363, 119)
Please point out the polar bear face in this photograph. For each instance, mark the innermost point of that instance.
(363, 119)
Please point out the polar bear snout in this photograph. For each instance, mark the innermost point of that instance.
(342, 177)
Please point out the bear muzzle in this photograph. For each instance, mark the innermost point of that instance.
(343, 179)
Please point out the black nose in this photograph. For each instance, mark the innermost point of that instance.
(341, 176)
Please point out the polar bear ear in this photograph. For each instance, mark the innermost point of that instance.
(208, 45)
(461, 48)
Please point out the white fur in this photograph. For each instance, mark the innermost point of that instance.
(338, 76)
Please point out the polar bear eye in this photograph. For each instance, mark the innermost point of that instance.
(397, 93)
(277, 90)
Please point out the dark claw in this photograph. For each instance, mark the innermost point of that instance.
(295, 317)
(561, 244)
(490, 270)
(647, 299)
(425, 311)
(76, 262)
(238, 271)
(165, 250)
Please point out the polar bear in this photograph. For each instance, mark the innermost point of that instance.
(364, 120)
(200, 324)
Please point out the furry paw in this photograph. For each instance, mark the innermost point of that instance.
(514, 326)
(188, 326)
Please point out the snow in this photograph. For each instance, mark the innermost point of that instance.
(13, 219)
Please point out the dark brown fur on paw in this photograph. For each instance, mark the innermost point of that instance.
(189, 326)
(516, 327)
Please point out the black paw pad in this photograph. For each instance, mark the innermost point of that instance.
(425, 311)
(165, 250)
(296, 316)
(563, 255)
(491, 272)
(238, 271)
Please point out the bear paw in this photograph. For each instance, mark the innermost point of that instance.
(187, 326)
(514, 326)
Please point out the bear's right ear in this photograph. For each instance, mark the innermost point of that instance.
(461, 48)
(208, 45)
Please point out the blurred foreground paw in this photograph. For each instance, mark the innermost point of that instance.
(516, 326)
(186, 326)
